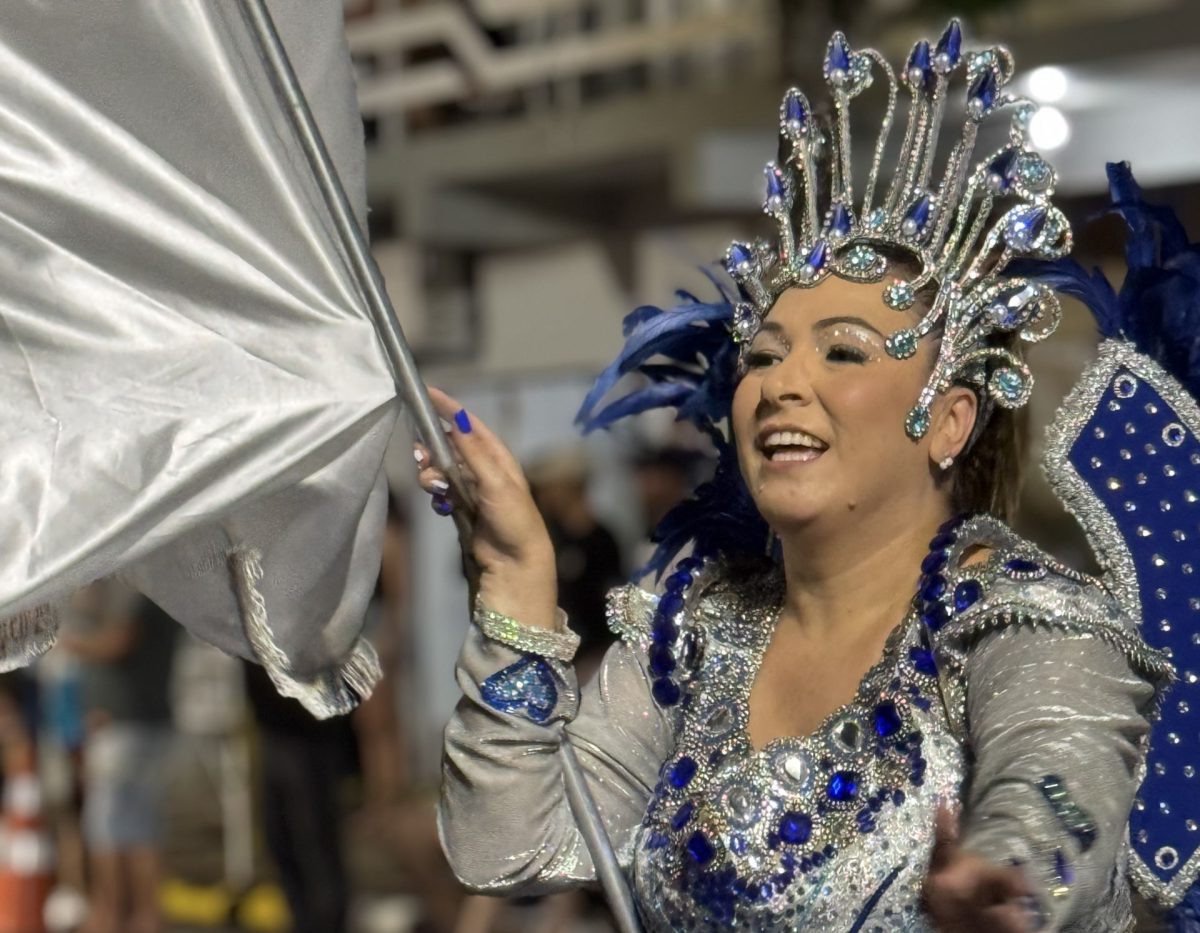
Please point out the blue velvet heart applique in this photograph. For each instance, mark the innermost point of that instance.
(528, 686)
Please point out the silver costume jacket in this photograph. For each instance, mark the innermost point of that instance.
(1027, 706)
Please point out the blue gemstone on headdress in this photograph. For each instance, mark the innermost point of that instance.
(843, 786)
(795, 828)
(740, 258)
(666, 692)
(966, 595)
(838, 56)
(680, 774)
(1002, 170)
(656, 840)
(700, 849)
(815, 260)
(1062, 868)
(683, 815)
(887, 720)
(1008, 309)
(794, 111)
(923, 660)
(776, 188)
(919, 69)
(839, 220)
(662, 660)
(1026, 227)
(917, 422)
(1023, 566)
(981, 97)
(917, 216)
(1009, 384)
(949, 47)
(664, 631)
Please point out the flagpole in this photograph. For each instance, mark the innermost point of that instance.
(412, 390)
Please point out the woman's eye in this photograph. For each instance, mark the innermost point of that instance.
(840, 353)
(759, 359)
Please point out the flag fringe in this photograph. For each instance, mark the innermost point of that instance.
(27, 635)
(333, 692)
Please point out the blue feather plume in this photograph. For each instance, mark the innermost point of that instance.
(688, 362)
(1158, 306)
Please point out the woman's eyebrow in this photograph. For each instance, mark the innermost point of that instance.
(830, 321)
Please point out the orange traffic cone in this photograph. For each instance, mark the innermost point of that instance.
(26, 851)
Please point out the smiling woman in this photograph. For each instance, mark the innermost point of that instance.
(889, 714)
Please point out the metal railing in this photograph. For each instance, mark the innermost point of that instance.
(473, 52)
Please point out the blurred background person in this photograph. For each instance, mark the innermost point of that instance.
(125, 646)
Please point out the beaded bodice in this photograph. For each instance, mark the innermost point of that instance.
(824, 831)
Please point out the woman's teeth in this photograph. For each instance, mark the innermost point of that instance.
(783, 446)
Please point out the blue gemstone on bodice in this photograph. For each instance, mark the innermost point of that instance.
(886, 720)
(942, 541)
(662, 660)
(682, 772)
(934, 616)
(678, 581)
(923, 661)
(933, 587)
(843, 786)
(666, 692)
(795, 828)
(919, 61)
(683, 815)
(933, 562)
(1020, 565)
(966, 595)
(700, 849)
(670, 605)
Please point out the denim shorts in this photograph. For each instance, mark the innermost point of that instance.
(125, 783)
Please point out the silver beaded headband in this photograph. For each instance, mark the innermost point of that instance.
(948, 229)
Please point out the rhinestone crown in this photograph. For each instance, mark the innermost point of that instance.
(962, 227)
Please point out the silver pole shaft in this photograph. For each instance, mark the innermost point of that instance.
(591, 827)
(412, 390)
(408, 380)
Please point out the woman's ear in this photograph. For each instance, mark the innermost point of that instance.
(953, 423)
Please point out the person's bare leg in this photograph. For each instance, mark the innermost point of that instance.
(478, 914)
(105, 891)
(145, 876)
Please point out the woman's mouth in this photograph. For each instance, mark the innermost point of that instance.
(792, 447)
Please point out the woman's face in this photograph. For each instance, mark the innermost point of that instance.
(819, 415)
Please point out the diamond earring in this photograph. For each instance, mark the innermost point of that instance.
(946, 463)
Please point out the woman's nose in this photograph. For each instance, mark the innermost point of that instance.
(788, 381)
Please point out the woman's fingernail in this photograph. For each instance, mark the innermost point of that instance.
(463, 420)
(418, 455)
(442, 505)
(440, 485)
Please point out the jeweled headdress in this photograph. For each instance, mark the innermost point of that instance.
(957, 226)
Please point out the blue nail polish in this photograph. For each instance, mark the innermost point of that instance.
(463, 420)
(442, 505)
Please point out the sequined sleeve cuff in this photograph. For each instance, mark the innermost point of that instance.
(559, 643)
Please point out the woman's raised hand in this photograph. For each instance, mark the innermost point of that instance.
(510, 543)
(965, 893)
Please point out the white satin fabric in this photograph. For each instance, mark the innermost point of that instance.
(187, 366)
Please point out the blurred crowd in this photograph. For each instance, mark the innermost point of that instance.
(151, 784)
